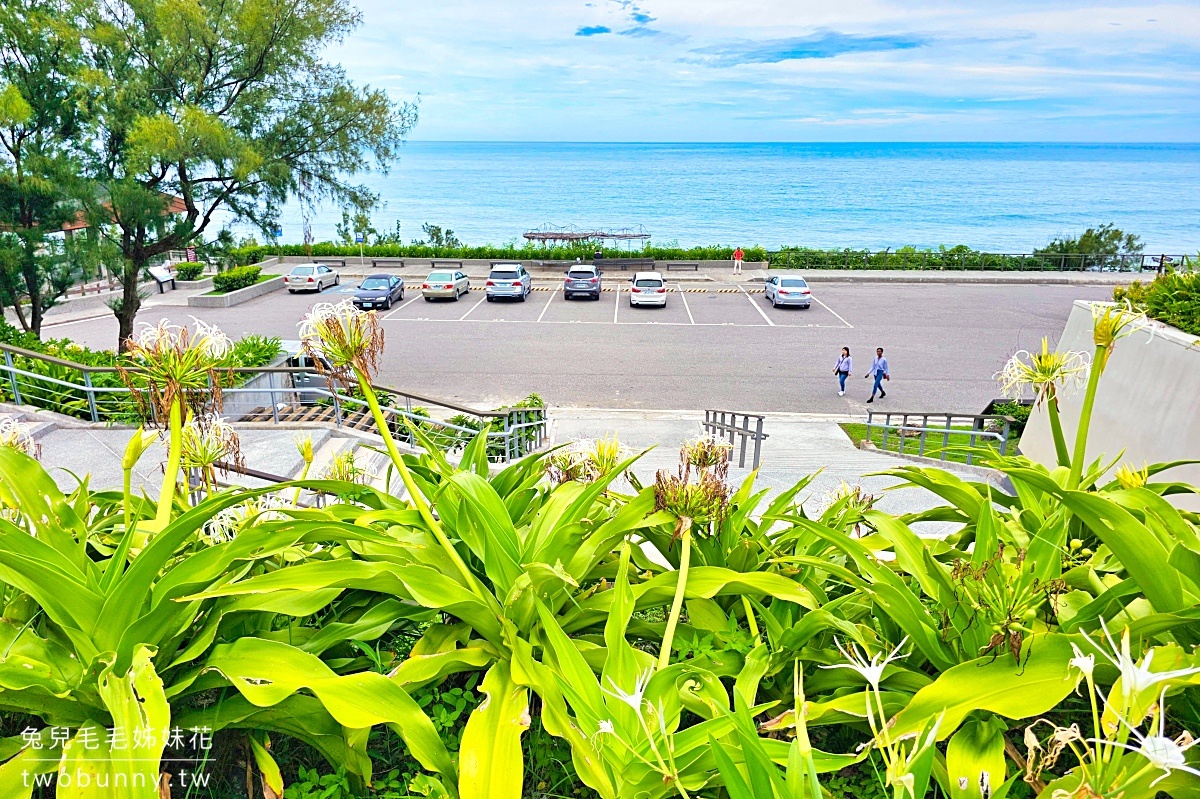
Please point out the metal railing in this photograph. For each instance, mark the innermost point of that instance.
(962, 260)
(921, 426)
(273, 394)
(744, 427)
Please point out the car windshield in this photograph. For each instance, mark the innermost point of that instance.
(440, 277)
(504, 274)
(375, 283)
(793, 283)
(648, 283)
(302, 270)
(581, 274)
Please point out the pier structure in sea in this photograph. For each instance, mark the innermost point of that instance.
(571, 234)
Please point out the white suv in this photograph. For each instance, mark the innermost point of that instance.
(648, 288)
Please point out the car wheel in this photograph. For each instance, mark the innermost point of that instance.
(387, 304)
(429, 299)
(490, 298)
(596, 296)
(291, 291)
(401, 294)
(337, 280)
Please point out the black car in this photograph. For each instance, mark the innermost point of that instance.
(378, 291)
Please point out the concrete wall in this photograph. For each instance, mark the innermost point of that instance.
(480, 266)
(1147, 404)
(236, 297)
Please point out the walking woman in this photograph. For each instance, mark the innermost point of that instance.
(842, 369)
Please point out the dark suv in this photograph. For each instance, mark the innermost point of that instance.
(582, 279)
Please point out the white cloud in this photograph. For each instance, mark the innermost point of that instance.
(785, 69)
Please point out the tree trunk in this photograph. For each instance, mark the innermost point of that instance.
(130, 302)
(33, 285)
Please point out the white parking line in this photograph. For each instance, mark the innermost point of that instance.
(623, 324)
(617, 304)
(402, 307)
(683, 296)
(543, 313)
(835, 313)
(473, 307)
(761, 312)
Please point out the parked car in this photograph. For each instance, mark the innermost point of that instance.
(508, 280)
(378, 291)
(445, 284)
(312, 386)
(311, 277)
(648, 288)
(787, 291)
(582, 279)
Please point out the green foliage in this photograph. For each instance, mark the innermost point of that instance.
(234, 279)
(1104, 240)
(189, 271)
(1172, 298)
(1018, 411)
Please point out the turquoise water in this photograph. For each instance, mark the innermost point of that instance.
(998, 197)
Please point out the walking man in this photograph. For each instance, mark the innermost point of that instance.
(737, 260)
(878, 370)
(842, 369)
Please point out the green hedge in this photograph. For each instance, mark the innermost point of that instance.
(959, 257)
(234, 279)
(1172, 297)
(189, 271)
(253, 255)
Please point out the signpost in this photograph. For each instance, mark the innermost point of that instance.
(358, 239)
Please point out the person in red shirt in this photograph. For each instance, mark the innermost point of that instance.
(737, 260)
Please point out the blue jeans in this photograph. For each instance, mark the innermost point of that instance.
(842, 379)
(878, 387)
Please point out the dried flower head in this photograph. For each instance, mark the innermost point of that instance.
(699, 490)
(706, 452)
(16, 435)
(170, 362)
(1047, 374)
(208, 440)
(342, 340)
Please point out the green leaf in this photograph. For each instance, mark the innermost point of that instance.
(975, 759)
(1042, 680)
(490, 759)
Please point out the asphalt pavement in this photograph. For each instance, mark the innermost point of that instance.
(715, 345)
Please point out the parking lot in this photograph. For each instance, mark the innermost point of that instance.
(714, 345)
(715, 306)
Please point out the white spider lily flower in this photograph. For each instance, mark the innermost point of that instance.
(1163, 753)
(1046, 374)
(211, 340)
(606, 727)
(1136, 676)
(16, 435)
(342, 338)
(870, 670)
(634, 698)
(226, 525)
(207, 440)
(1085, 663)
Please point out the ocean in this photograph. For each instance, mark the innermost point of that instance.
(995, 197)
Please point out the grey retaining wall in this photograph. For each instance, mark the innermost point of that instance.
(236, 297)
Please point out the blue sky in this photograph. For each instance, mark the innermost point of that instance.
(786, 70)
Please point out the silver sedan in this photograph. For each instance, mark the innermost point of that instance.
(787, 291)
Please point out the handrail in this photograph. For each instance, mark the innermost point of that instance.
(978, 429)
(724, 424)
(515, 431)
(253, 370)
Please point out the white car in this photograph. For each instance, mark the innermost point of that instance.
(508, 280)
(311, 277)
(787, 291)
(648, 288)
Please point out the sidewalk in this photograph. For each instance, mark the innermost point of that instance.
(798, 445)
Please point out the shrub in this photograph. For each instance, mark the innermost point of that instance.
(1172, 298)
(1017, 411)
(189, 271)
(234, 279)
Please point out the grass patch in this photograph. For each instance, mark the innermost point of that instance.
(260, 279)
(956, 452)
